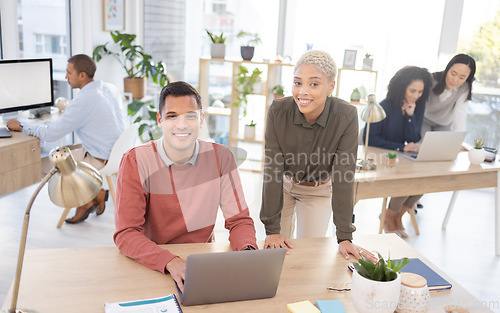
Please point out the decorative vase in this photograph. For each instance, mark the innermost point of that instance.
(391, 162)
(355, 95)
(370, 296)
(476, 156)
(218, 50)
(136, 86)
(247, 52)
(277, 96)
(249, 132)
(414, 296)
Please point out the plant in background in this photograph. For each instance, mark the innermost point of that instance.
(132, 58)
(478, 143)
(245, 84)
(368, 56)
(251, 39)
(391, 155)
(148, 123)
(278, 90)
(252, 124)
(216, 39)
(380, 271)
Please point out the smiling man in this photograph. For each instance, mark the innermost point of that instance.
(169, 190)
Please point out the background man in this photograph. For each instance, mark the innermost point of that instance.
(169, 190)
(96, 115)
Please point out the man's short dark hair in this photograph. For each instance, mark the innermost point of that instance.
(83, 63)
(178, 89)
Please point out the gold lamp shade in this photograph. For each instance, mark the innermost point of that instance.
(373, 113)
(76, 183)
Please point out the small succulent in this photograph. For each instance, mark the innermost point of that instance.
(380, 271)
(252, 123)
(215, 38)
(391, 155)
(367, 55)
(478, 143)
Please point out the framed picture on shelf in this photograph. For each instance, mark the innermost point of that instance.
(113, 15)
(349, 58)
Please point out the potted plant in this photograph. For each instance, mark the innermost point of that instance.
(138, 65)
(250, 130)
(477, 153)
(391, 159)
(367, 62)
(355, 95)
(218, 46)
(278, 91)
(376, 286)
(246, 84)
(248, 49)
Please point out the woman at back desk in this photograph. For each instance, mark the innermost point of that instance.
(404, 106)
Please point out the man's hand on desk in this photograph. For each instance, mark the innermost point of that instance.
(346, 247)
(277, 241)
(177, 269)
(14, 125)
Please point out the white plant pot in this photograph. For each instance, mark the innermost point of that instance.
(249, 132)
(476, 156)
(218, 50)
(369, 296)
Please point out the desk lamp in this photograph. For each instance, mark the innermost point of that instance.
(71, 184)
(373, 113)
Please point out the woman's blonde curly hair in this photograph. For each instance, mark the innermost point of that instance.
(322, 60)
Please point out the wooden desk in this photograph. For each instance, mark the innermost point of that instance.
(82, 280)
(413, 178)
(20, 162)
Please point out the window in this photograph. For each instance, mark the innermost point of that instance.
(41, 37)
(478, 35)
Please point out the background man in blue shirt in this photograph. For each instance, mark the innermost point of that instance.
(96, 115)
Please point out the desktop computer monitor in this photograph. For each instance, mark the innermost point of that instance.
(25, 84)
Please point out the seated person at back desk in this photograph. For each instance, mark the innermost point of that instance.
(404, 106)
(96, 115)
(169, 190)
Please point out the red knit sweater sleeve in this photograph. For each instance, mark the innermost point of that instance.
(130, 212)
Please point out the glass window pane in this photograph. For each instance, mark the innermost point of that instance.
(40, 37)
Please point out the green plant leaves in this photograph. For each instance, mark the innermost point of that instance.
(380, 271)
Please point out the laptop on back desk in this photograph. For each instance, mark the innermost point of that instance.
(437, 146)
(231, 276)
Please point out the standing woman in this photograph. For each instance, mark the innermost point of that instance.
(310, 157)
(404, 106)
(451, 90)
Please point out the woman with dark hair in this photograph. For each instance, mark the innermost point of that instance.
(446, 108)
(404, 106)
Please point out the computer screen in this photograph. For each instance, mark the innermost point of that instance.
(25, 84)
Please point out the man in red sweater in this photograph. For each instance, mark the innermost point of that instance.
(169, 190)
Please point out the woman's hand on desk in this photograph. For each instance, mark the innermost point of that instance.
(177, 269)
(411, 146)
(14, 125)
(277, 241)
(346, 247)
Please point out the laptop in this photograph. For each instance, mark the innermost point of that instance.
(4, 133)
(437, 146)
(231, 276)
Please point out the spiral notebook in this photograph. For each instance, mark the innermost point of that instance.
(155, 305)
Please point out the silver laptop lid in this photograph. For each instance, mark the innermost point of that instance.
(439, 146)
(232, 276)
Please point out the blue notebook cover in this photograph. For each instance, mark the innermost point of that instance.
(434, 280)
(330, 306)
